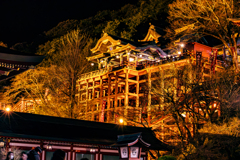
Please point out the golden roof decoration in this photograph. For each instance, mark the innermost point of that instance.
(152, 34)
(104, 42)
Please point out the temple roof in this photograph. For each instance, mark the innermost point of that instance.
(236, 21)
(31, 126)
(131, 139)
(14, 62)
(108, 42)
(10, 51)
(154, 33)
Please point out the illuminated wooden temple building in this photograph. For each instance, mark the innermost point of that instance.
(120, 88)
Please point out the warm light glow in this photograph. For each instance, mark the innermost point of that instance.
(92, 64)
(117, 56)
(179, 52)
(49, 146)
(1, 144)
(182, 45)
(184, 114)
(121, 120)
(140, 55)
(214, 105)
(128, 53)
(131, 59)
(8, 109)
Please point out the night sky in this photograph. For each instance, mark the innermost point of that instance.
(22, 20)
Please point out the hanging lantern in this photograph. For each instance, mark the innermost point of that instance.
(130, 146)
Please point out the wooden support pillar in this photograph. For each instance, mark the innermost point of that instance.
(121, 59)
(7, 144)
(71, 151)
(137, 99)
(116, 93)
(93, 90)
(108, 98)
(136, 61)
(101, 97)
(99, 152)
(128, 56)
(86, 107)
(126, 94)
(93, 96)
(149, 96)
(99, 64)
(41, 146)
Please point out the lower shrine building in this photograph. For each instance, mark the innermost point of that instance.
(77, 138)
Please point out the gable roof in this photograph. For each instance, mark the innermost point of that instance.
(31, 126)
(14, 62)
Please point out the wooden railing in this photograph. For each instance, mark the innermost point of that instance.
(141, 65)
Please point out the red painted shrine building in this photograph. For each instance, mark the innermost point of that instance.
(77, 138)
(121, 86)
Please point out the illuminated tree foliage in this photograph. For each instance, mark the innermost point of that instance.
(3, 44)
(206, 17)
(59, 77)
(190, 102)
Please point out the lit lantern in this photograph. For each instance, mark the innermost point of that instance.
(8, 109)
(182, 45)
(130, 146)
(49, 146)
(121, 121)
(131, 59)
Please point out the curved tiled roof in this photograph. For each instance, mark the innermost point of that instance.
(31, 126)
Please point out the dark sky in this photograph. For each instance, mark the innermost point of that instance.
(22, 20)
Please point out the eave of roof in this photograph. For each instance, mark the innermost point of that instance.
(24, 125)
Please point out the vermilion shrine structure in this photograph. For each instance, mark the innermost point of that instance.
(121, 86)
